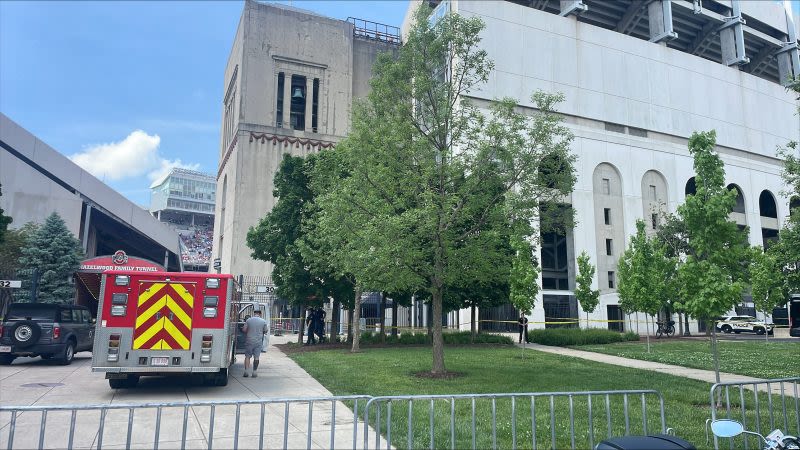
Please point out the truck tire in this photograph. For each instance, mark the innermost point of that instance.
(68, 354)
(760, 331)
(26, 333)
(120, 383)
(217, 379)
(726, 329)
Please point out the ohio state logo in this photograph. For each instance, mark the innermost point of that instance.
(120, 258)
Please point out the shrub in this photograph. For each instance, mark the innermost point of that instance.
(454, 338)
(563, 337)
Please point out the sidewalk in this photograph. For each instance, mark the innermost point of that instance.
(669, 369)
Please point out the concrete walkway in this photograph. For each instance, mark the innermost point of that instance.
(707, 376)
(31, 381)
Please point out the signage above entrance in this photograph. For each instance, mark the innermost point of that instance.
(119, 261)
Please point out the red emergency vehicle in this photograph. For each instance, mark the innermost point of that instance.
(162, 323)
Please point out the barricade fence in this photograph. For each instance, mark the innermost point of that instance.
(542, 420)
(760, 406)
(554, 420)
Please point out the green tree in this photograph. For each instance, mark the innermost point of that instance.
(713, 274)
(412, 211)
(587, 297)
(4, 220)
(524, 275)
(55, 253)
(644, 271)
(767, 284)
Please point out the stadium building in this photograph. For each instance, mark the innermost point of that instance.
(639, 77)
(184, 200)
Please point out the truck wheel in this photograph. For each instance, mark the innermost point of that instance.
(759, 331)
(132, 381)
(726, 329)
(117, 383)
(68, 355)
(6, 360)
(221, 378)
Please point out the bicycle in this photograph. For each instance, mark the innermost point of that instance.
(667, 328)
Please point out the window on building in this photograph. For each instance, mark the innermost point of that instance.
(279, 111)
(315, 105)
(609, 247)
(298, 99)
(607, 216)
(652, 192)
(606, 185)
(654, 220)
(611, 279)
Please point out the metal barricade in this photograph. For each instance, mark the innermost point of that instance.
(510, 420)
(755, 404)
(328, 422)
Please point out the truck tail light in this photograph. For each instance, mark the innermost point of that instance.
(119, 304)
(56, 332)
(210, 304)
(113, 347)
(205, 348)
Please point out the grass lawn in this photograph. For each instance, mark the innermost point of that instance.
(753, 358)
(500, 369)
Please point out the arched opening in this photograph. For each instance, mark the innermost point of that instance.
(739, 207)
(691, 187)
(766, 205)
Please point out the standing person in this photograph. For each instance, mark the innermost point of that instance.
(254, 330)
(310, 323)
(320, 328)
(522, 322)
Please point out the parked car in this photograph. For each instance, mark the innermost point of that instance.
(46, 330)
(747, 324)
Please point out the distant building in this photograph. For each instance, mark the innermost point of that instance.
(290, 81)
(184, 199)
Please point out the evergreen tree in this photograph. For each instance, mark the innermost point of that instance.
(55, 253)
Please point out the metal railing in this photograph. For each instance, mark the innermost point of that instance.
(374, 30)
(510, 420)
(266, 423)
(761, 406)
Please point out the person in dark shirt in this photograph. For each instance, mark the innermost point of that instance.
(319, 329)
(310, 323)
(522, 322)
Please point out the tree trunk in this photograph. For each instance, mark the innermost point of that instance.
(680, 323)
(356, 320)
(438, 340)
(715, 357)
(302, 326)
(349, 325)
(394, 318)
(472, 324)
(335, 321)
(383, 317)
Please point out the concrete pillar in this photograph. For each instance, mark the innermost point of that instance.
(287, 100)
(309, 99)
(86, 220)
(731, 36)
(572, 7)
(660, 17)
(788, 55)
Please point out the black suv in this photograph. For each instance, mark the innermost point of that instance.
(46, 330)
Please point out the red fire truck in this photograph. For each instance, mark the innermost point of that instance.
(162, 323)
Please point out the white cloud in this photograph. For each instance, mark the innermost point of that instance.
(132, 157)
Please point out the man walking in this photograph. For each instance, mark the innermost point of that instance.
(254, 330)
(311, 322)
(522, 322)
(319, 329)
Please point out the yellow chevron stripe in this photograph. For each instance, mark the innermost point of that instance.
(149, 292)
(179, 313)
(184, 293)
(144, 337)
(176, 334)
(154, 308)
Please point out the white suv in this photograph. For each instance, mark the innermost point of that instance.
(748, 324)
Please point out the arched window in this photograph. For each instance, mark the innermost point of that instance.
(739, 207)
(691, 188)
(766, 205)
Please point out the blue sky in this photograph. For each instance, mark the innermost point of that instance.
(130, 89)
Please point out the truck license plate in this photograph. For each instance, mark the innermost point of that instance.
(5, 349)
(159, 361)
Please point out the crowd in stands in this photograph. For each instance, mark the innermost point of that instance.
(196, 248)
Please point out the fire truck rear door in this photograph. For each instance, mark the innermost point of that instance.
(164, 315)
